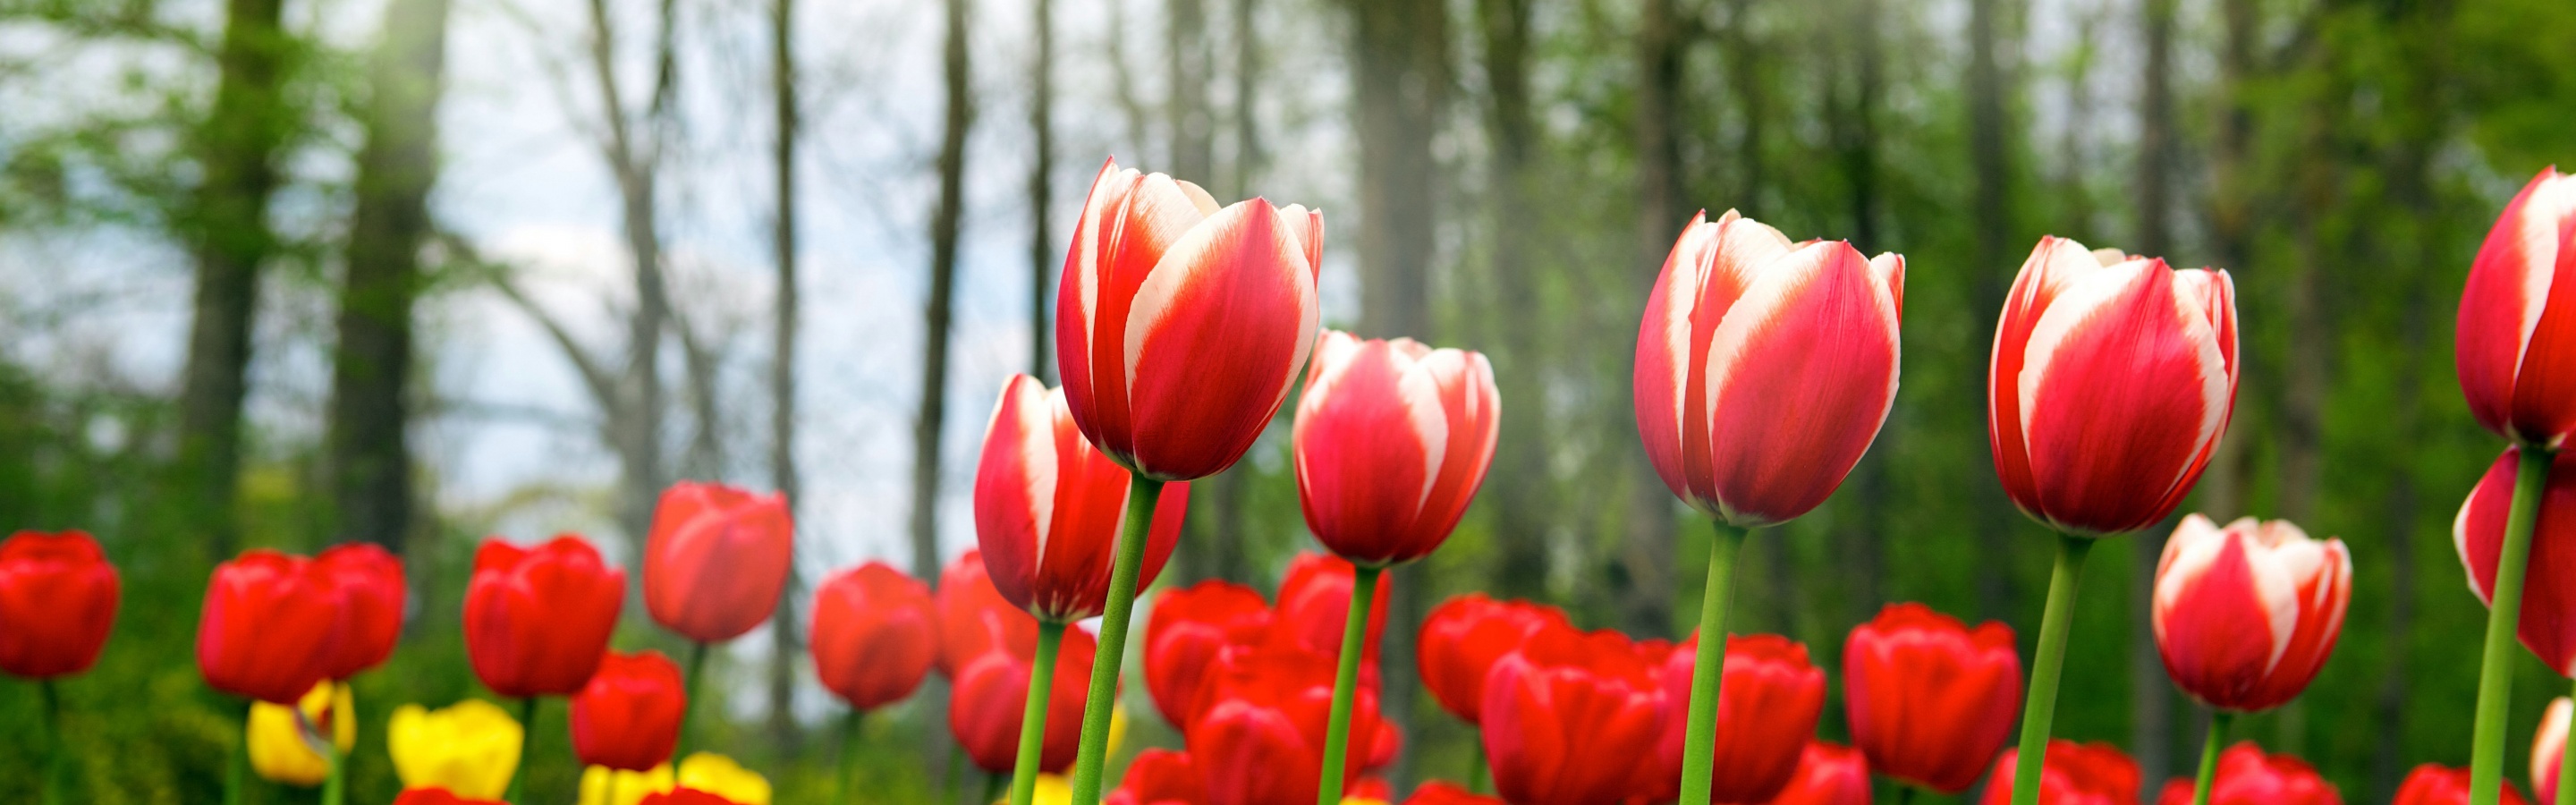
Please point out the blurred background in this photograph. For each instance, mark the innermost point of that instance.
(290, 272)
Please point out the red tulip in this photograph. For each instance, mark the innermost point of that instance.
(992, 694)
(2435, 784)
(371, 599)
(2548, 750)
(1189, 628)
(2246, 776)
(1828, 774)
(1930, 700)
(2516, 341)
(1159, 777)
(1180, 325)
(717, 560)
(437, 796)
(1315, 605)
(2112, 378)
(1573, 718)
(1391, 441)
(1766, 713)
(1464, 637)
(1049, 508)
(2245, 615)
(1260, 738)
(628, 717)
(1443, 792)
(2072, 774)
(57, 602)
(537, 620)
(974, 618)
(875, 635)
(1764, 367)
(2548, 624)
(683, 796)
(269, 628)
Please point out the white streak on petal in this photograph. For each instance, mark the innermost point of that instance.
(2077, 302)
(2541, 214)
(1418, 386)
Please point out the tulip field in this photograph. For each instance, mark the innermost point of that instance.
(1378, 402)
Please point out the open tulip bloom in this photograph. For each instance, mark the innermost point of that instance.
(1764, 370)
(58, 598)
(2111, 381)
(2244, 617)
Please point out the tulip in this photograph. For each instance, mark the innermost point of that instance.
(537, 620)
(2246, 776)
(438, 796)
(988, 706)
(1188, 629)
(2518, 520)
(2214, 585)
(601, 785)
(1828, 774)
(283, 739)
(58, 600)
(371, 599)
(2436, 784)
(628, 716)
(1049, 508)
(1772, 699)
(270, 626)
(1315, 602)
(1260, 739)
(2549, 750)
(2074, 774)
(974, 618)
(875, 635)
(2514, 336)
(1930, 700)
(1160, 777)
(1463, 638)
(1573, 718)
(719, 775)
(686, 796)
(1442, 792)
(716, 560)
(470, 748)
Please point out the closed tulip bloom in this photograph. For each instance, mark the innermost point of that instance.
(1179, 324)
(974, 618)
(1260, 739)
(1765, 715)
(439, 796)
(687, 796)
(1315, 606)
(2548, 626)
(372, 593)
(2436, 784)
(601, 785)
(2112, 378)
(1159, 777)
(1443, 792)
(2517, 326)
(1930, 700)
(1049, 509)
(875, 635)
(58, 600)
(2549, 749)
(1392, 439)
(2072, 774)
(537, 620)
(471, 747)
(628, 717)
(1828, 774)
(1463, 638)
(720, 775)
(2246, 776)
(1764, 367)
(1574, 718)
(992, 693)
(716, 560)
(1189, 628)
(2245, 615)
(269, 628)
(280, 750)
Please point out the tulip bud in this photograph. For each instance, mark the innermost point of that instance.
(1315, 607)
(1263, 729)
(2517, 341)
(2071, 774)
(371, 599)
(1159, 777)
(1392, 439)
(875, 635)
(716, 774)
(280, 738)
(2436, 784)
(687, 796)
(601, 785)
(470, 748)
(2244, 616)
(270, 627)
(1828, 774)
(1765, 715)
(1930, 700)
(537, 620)
(716, 560)
(58, 600)
(986, 707)
(1049, 509)
(438, 796)
(975, 620)
(1189, 628)
(2111, 381)
(2548, 624)
(628, 717)
(2246, 776)
(1463, 638)
(2549, 749)
(1179, 325)
(1573, 718)
(1764, 367)
(1443, 792)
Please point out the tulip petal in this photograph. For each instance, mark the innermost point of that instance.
(2121, 375)
(1239, 273)
(1800, 375)
(2510, 287)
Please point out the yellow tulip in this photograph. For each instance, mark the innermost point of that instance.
(721, 776)
(281, 750)
(470, 748)
(631, 787)
(1117, 727)
(1052, 788)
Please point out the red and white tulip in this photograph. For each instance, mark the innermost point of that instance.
(2549, 748)
(1049, 509)
(1392, 439)
(1765, 367)
(2245, 615)
(2517, 328)
(2111, 380)
(1179, 323)
(2547, 624)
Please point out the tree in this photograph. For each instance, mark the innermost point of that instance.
(940, 306)
(782, 367)
(2151, 700)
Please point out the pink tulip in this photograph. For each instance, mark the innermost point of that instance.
(1392, 439)
(716, 560)
(1049, 508)
(2246, 615)
(2517, 328)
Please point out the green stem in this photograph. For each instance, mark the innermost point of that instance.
(528, 729)
(1346, 683)
(849, 753)
(1142, 494)
(335, 788)
(57, 745)
(2504, 617)
(2566, 769)
(239, 771)
(1476, 767)
(2209, 756)
(1708, 677)
(2041, 707)
(689, 699)
(1033, 717)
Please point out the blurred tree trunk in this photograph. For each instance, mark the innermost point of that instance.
(944, 224)
(1858, 535)
(635, 406)
(226, 221)
(1122, 82)
(2231, 229)
(1648, 550)
(2316, 181)
(1042, 259)
(1193, 129)
(783, 629)
(1248, 156)
(1745, 74)
(1216, 539)
(370, 454)
(1992, 214)
(2150, 698)
(1523, 515)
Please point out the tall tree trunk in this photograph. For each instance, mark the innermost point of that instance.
(1042, 259)
(2231, 228)
(944, 223)
(1248, 157)
(1858, 534)
(635, 417)
(2150, 698)
(1745, 79)
(227, 224)
(1992, 221)
(1523, 518)
(1193, 129)
(1648, 552)
(782, 370)
(1122, 82)
(370, 453)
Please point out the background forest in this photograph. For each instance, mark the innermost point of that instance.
(289, 272)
